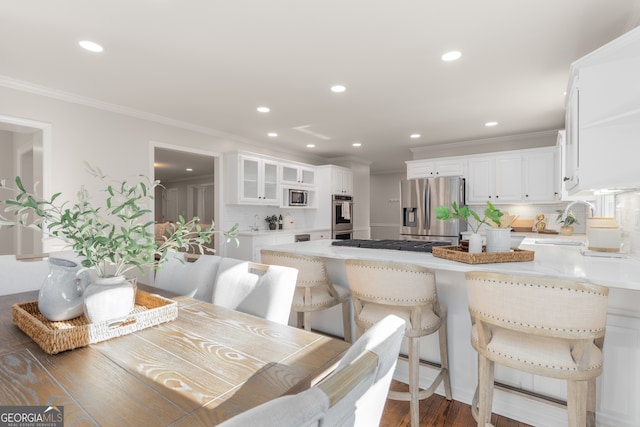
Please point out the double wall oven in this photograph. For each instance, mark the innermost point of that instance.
(341, 217)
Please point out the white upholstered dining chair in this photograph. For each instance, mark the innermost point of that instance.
(258, 289)
(352, 395)
(409, 291)
(314, 290)
(194, 279)
(544, 326)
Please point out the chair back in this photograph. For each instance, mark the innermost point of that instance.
(538, 305)
(353, 395)
(391, 283)
(192, 279)
(311, 270)
(258, 289)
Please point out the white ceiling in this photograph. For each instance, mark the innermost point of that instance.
(210, 63)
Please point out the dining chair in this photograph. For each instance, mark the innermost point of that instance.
(24, 273)
(354, 394)
(409, 291)
(544, 326)
(314, 290)
(182, 276)
(258, 289)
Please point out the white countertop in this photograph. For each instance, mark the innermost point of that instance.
(267, 232)
(563, 261)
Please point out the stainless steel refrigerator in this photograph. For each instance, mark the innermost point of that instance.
(418, 200)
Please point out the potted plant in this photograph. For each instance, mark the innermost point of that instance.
(567, 220)
(446, 213)
(273, 221)
(110, 239)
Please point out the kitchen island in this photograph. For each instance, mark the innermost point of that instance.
(618, 386)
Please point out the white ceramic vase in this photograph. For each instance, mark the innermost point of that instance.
(109, 299)
(475, 243)
(498, 239)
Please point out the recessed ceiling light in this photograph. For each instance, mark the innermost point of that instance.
(263, 109)
(189, 170)
(272, 134)
(311, 145)
(338, 88)
(357, 144)
(490, 124)
(415, 135)
(451, 56)
(91, 46)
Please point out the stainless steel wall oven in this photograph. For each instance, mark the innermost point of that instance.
(341, 217)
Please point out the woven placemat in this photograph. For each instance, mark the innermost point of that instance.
(460, 254)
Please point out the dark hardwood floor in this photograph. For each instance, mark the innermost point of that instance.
(436, 411)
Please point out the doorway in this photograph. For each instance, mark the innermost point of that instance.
(189, 179)
(26, 152)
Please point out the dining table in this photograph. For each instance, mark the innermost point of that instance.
(202, 368)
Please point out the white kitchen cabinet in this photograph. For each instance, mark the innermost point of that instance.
(603, 116)
(319, 235)
(435, 168)
(342, 181)
(296, 175)
(249, 247)
(251, 180)
(494, 178)
(540, 180)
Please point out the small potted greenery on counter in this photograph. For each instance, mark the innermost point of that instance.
(273, 221)
(446, 213)
(567, 221)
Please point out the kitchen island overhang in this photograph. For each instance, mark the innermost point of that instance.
(617, 389)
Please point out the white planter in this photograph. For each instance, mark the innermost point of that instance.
(498, 239)
(109, 299)
(475, 243)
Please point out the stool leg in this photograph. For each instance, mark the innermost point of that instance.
(300, 319)
(577, 403)
(485, 385)
(346, 320)
(591, 403)
(444, 359)
(307, 320)
(414, 380)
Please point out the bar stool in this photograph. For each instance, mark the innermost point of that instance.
(408, 291)
(549, 327)
(314, 291)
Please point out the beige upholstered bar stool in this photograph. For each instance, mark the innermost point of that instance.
(408, 291)
(314, 290)
(543, 326)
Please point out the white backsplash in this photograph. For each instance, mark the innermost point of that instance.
(628, 215)
(244, 216)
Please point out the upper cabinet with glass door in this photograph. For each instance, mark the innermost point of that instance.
(251, 180)
(294, 176)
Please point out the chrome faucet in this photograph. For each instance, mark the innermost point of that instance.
(591, 207)
(255, 224)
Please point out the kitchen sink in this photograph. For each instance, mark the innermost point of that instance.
(564, 242)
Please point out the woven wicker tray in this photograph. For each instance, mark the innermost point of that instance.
(54, 337)
(457, 253)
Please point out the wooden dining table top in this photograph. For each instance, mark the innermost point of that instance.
(202, 368)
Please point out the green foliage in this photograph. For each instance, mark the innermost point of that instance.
(271, 219)
(115, 234)
(568, 220)
(446, 213)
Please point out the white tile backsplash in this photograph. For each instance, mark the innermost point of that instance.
(628, 215)
(244, 216)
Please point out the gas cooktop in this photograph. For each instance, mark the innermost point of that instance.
(400, 245)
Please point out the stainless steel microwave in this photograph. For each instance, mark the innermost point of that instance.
(298, 197)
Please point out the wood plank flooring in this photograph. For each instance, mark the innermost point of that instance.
(436, 411)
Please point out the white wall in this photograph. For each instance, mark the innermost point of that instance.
(385, 205)
(119, 144)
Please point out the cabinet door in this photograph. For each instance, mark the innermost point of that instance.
(452, 167)
(480, 185)
(307, 176)
(540, 180)
(347, 182)
(508, 178)
(249, 184)
(342, 182)
(420, 169)
(270, 182)
(289, 174)
(570, 160)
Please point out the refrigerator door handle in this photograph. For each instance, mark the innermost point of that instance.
(427, 205)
